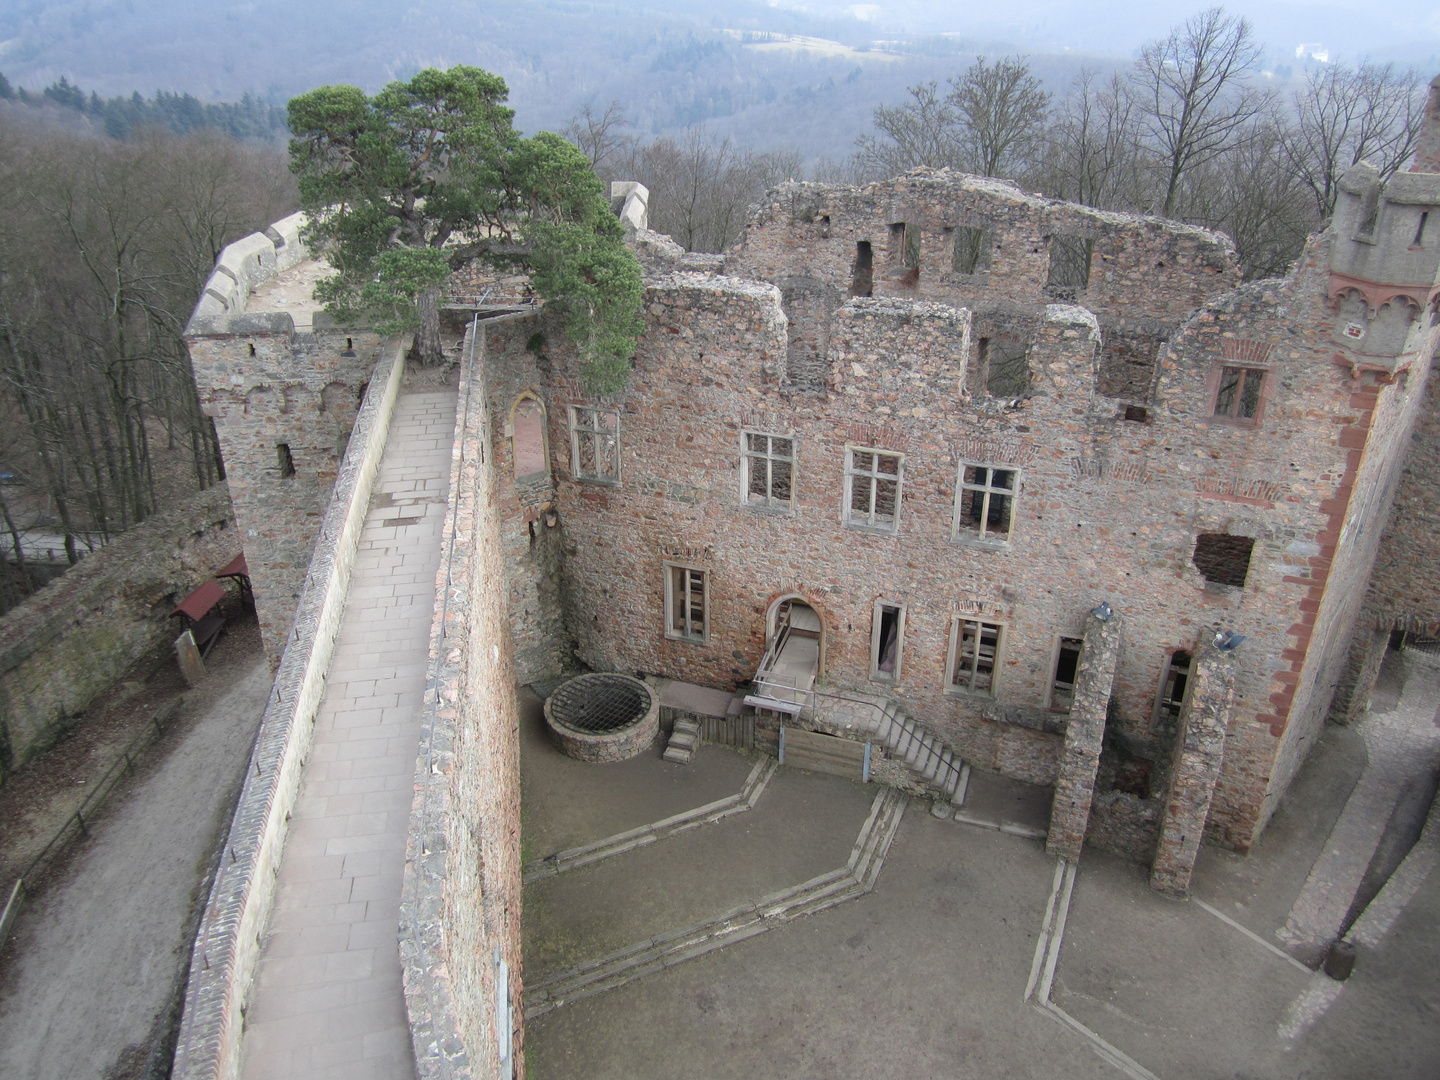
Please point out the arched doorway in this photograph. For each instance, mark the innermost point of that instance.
(794, 656)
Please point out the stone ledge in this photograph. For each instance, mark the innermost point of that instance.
(1052, 723)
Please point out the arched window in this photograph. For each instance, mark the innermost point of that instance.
(527, 421)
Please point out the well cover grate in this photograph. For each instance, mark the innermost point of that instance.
(599, 703)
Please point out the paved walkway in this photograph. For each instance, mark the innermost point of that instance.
(328, 1000)
(1403, 743)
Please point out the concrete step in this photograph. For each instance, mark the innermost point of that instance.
(678, 755)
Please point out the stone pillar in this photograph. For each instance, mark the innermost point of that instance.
(1084, 733)
(1199, 753)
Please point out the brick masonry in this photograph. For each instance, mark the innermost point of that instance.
(75, 638)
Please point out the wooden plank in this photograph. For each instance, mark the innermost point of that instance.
(824, 753)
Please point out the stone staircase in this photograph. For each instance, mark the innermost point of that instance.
(932, 765)
(684, 740)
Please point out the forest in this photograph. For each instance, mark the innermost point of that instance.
(118, 207)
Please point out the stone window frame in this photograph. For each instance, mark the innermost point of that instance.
(962, 534)
(748, 460)
(544, 473)
(953, 655)
(877, 611)
(873, 477)
(1056, 652)
(680, 578)
(578, 433)
(1212, 394)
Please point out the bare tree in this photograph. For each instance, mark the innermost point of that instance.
(702, 188)
(1092, 151)
(1001, 110)
(104, 246)
(603, 137)
(1343, 115)
(1193, 96)
(923, 132)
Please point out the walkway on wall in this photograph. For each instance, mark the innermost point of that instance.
(327, 999)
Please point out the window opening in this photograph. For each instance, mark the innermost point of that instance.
(905, 245)
(595, 443)
(252, 348)
(872, 498)
(887, 632)
(1138, 413)
(974, 651)
(984, 508)
(972, 251)
(862, 281)
(1239, 393)
(1069, 265)
(1006, 364)
(1420, 229)
(284, 460)
(1223, 559)
(686, 603)
(1067, 663)
(768, 464)
(1172, 690)
(1371, 212)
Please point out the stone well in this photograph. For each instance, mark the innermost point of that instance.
(603, 716)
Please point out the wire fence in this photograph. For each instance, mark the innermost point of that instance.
(76, 824)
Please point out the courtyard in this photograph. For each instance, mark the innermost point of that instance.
(736, 918)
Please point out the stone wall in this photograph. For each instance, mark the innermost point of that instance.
(71, 641)
(270, 387)
(1105, 508)
(283, 384)
(1399, 596)
(227, 946)
(460, 907)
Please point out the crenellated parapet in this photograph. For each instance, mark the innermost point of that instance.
(283, 383)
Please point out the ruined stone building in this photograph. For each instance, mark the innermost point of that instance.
(1022, 470)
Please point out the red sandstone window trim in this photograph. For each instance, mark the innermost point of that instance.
(1062, 692)
(1227, 401)
(521, 402)
(992, 491)
(887, 641)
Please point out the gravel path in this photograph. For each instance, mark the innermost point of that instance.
(97, 958)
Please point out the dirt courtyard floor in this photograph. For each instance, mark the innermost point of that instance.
(974, 955)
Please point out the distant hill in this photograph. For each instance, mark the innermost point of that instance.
(773, 76)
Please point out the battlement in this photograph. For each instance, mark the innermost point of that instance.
(242, 268)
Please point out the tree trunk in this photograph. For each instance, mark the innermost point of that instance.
(427, 339)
